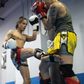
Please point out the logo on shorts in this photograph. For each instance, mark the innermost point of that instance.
(63, 37)
(50, 44)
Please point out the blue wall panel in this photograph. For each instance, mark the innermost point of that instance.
(11, 83)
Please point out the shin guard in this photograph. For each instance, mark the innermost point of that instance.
(69, 80)
(44, 81)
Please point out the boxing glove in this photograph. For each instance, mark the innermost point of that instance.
(39, 9)
(34, 22)
(10, 44)
(41, 52)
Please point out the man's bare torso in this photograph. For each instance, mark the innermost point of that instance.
(20, 38)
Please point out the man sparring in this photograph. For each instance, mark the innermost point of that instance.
(15, 41)
(65, 40)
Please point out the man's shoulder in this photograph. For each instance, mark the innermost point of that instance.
(11, 31)
(54, 5)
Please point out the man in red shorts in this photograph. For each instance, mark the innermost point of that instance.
(15, 41)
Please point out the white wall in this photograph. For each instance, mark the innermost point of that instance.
(78, 24)
(5, 26)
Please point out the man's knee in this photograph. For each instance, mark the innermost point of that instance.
(43, 67)
(41, 70)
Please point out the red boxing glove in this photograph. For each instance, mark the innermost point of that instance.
(39, 10)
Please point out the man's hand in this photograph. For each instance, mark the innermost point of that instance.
(10, 44)
(34, 22)
(39, 9)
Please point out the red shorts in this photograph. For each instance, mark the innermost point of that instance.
(16, 59)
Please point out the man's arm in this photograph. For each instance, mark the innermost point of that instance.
(33, 37)
(48, 23)
(35, 24)
(38, 9)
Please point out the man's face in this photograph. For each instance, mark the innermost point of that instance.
(22, 25)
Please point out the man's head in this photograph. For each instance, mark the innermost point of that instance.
(47, 3)
(21, 23)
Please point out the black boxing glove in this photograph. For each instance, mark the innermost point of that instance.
(34, 22)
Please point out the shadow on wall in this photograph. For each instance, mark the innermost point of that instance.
(81, 76)
(82, 34)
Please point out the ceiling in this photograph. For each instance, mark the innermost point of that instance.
(2, 3)
(7, 6)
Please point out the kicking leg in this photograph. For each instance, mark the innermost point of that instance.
(26, 53)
